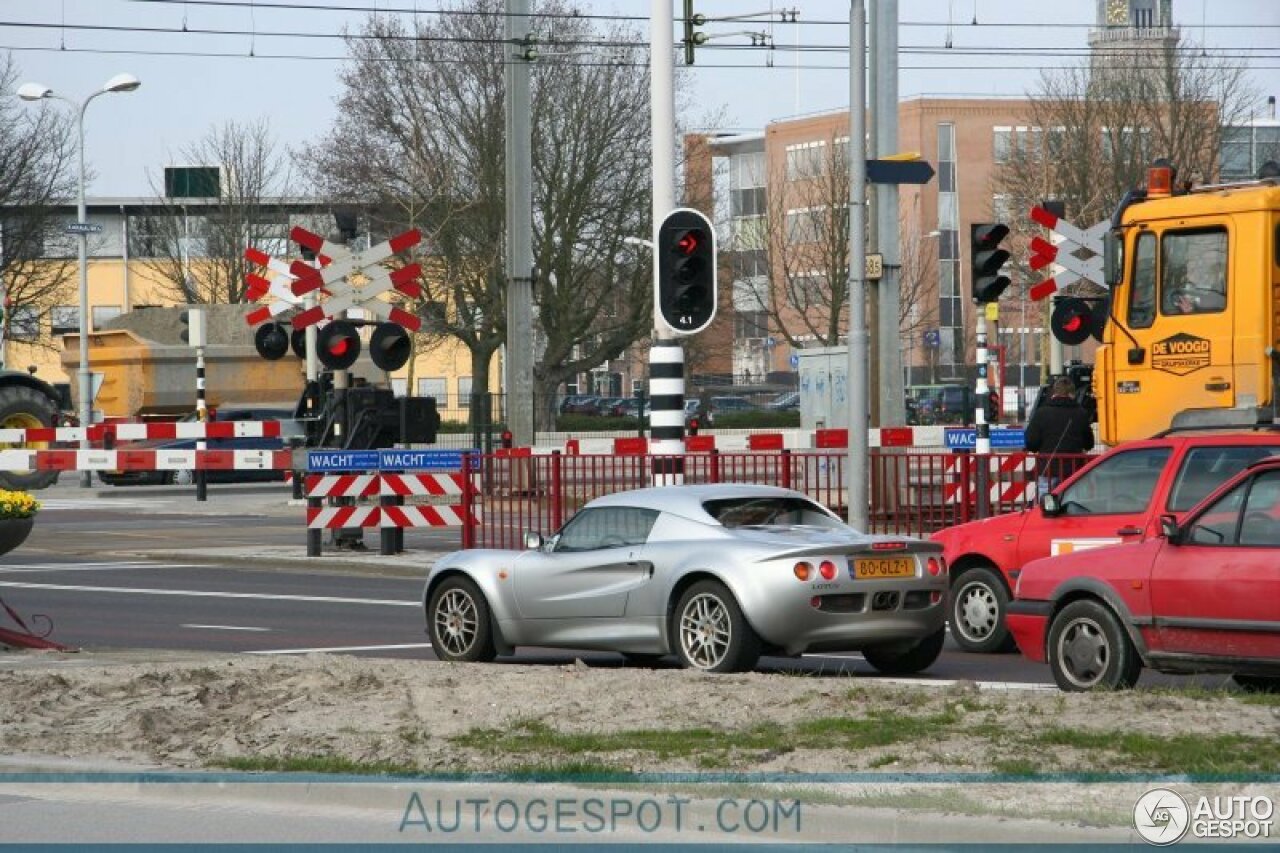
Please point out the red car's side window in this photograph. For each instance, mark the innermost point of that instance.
(1247, 516)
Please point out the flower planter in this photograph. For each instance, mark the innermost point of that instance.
(13, 532)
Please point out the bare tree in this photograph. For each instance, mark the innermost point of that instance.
(36, 177)
(196, 246)
(420, 137)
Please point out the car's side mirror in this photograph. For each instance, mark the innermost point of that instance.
(1170, 530)
(1050, 505)
(532, 540)
(1112, 258)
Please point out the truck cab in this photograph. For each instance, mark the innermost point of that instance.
(1195, 312)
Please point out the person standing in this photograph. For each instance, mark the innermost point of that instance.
(1058, 433)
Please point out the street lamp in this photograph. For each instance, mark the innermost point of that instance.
(38, 92)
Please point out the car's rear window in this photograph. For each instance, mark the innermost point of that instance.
(757, 511)
(1205, 468)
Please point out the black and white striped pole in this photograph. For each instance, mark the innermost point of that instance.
(195, 335)
(684, 264)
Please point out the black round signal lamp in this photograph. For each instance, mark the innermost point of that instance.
(390, 346)
(338, 345)
(271, 341)
(1072, 321)
(298, 342)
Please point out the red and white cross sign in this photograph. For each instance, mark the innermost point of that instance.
(344, 294)
(277, 287)
(1064, 254)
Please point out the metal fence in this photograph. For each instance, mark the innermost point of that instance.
(910, 493)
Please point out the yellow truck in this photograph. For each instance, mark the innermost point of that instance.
(1193, 337)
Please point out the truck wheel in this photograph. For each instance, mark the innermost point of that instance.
(979, 602)
(22, 407)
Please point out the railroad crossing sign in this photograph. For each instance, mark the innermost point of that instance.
(277, 287)
(1066, 254)
(345, 268)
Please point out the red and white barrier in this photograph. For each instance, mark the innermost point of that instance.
(426, 516)
(446, 485)
(342, 485)
(327, 517)
(146, 460)
(144, 431)
(413, 485)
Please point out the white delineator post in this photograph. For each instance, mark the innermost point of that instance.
(666, 355)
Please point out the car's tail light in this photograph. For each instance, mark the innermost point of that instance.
(816, 602)
(827, 569)
(888, 546)
(803, 571)
(934, 565)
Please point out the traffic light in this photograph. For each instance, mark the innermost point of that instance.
(338, 345)
(272, 341)
(686, 271)
(298, 342)
(985, 260)
(692, 38)
(390, 346)
(194, 333)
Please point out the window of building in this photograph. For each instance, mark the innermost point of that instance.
(464, 392)
(102, 314)
(806, 160)
(1002, 138)
(24, 323)
(750, 201)
(946, 142)
(806, 226)
(750, 324)
(64, 319)
(948, 212)
(435, 386)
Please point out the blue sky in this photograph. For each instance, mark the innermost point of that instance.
(183, 95)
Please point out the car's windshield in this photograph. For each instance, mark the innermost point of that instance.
(761, 510)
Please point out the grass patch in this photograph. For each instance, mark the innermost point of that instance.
(1196, 754)
(1016, 767)
(315, 764)
(884, 761)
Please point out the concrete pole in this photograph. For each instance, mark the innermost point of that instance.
(856, 472)
(82, 247)
(874, 18)
(666, 355)
(889, 355)
(519, 361)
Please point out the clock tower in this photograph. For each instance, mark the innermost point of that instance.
(1132, 32)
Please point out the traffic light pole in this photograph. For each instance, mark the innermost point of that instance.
(858, 373)
(519, 221)
(202, 415)
(666, 355)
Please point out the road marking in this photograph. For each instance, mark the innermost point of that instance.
(194, 593)
(225, 627)
(93, 567)
(106, 503)
(340, 649)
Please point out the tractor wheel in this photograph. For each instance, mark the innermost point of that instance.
(22, 407)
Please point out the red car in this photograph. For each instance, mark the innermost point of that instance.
(1119, 497)
(1202, 597)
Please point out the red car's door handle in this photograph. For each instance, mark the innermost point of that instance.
(1129, 531)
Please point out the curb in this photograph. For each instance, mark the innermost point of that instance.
(410, 564)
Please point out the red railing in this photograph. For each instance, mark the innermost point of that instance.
(909, 493)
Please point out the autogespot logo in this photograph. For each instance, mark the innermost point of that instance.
(1161, 816)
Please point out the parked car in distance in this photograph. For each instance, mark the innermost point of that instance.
(1204, 596)
(580, 404)
(715, 574)
(612, 406)
(784, 402)
(1118, 497)
(289, 428)
(727, 405)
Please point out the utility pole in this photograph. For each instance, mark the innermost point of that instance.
(874, 17)
(892, 408)
(858, 373)
(519, 143)
(666, 354)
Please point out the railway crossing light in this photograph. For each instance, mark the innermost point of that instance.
(390, 347)
(1074, 320)
(194, 333)
(271, 341)
(338, 345)
(298, 342)
(686, 271)
(985, 260)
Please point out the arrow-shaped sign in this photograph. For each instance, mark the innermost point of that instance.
(899, 171)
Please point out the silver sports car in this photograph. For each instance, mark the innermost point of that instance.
(715, 574)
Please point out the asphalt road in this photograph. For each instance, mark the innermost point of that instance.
(81, 577)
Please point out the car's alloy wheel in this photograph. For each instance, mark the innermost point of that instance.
(1088, 649)
(183, 477)
(979, 602)
(711, 633)
(459, 622)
